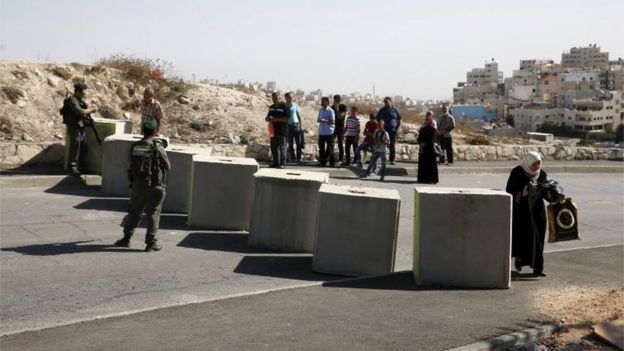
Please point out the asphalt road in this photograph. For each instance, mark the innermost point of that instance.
(386, 313)
(58, 265)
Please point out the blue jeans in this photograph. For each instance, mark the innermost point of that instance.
(377, 155)
(364, 146)
(294, 138)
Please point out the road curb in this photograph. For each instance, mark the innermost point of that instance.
(509, 341)
(34, 181)
(38, 180)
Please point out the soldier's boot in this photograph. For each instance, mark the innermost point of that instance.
(124, 242)
(151, 244)
(74, 170)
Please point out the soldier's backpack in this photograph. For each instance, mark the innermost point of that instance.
(145, 162)
(65, 111)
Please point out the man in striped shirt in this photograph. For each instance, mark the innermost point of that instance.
(151, 109)
(352, 135)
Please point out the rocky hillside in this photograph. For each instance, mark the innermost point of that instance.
(31, 94)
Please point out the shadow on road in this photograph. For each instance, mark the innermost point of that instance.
(76, 187)
(516, 277)
(289, 267)
(73, 247)
(394, 281)
(218, 241)
(104, 204)
(226, 241)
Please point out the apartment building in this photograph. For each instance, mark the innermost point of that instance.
(596, 114)
(585, 57)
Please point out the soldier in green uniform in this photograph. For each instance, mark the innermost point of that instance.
(148, 170)
(74, 112)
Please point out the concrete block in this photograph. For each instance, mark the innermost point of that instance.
(284, 210)
(221, 192)
(91, 157)
(116, 161)
(179, 178)
(357, 230)
(462, 237)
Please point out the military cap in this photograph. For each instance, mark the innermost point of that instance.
(150, 125)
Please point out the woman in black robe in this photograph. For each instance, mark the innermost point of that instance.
(427, 165)
(529, 213)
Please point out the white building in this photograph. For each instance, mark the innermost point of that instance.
(271, 86)
(585, 57)
(589, 115)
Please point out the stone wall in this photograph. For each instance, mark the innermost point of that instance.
(14, 155)
(51, 155)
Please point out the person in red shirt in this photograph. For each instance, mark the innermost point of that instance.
(369, 139)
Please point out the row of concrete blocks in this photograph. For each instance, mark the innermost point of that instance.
(461, 236)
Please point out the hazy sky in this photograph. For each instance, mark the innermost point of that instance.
(413, 48)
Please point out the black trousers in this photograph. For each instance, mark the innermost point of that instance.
(77, 139)
(326, 149)
(339, 134)
(393, 137)
(278, 150)
(447, 144)
(352, 142)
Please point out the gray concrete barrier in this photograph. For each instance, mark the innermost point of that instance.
(221, 192)
(92, 154)
(357, 230)
(115, 163)
(179, 178)
(462, 237)
(284, 209)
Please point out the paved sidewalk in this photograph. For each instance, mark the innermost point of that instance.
(33, 178)
(385, 313)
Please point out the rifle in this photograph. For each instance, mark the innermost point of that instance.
(88, 121)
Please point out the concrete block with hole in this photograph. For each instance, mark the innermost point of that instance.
(284, 209)
(179, 178)
(357, 230)
(462, 237)
(116, 162)
(92, 153)
(221, 192)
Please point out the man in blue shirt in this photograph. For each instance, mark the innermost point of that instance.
(326, 119)
(392, 121)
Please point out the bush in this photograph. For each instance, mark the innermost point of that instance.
(466, 125)
(157, 73)
(13, 94)
(478, 140)
(6, 126)
(62, 72)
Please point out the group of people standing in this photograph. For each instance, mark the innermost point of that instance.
(335, 127)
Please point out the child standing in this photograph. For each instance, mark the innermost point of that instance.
(352, 135)
(382, 140)
(369, 140)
